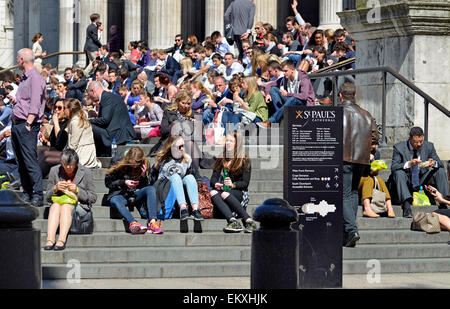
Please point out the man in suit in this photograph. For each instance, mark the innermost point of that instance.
(408, 175)
(92, 42)
(113, 121)
(171, 67)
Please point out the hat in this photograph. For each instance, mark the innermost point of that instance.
(378, 165)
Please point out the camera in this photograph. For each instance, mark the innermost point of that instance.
(130, 196)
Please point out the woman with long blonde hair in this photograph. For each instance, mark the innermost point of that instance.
(128, 185)
(173, 170)
(80, 135)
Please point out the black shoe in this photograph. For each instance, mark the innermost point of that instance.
(60, 248)
(352, 239)
(197, 215)
(407, 213)
(198, 226)
(184, 214)
(48, 248)
(26, 198)
(37, 201)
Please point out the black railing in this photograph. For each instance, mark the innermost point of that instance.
(384, 70)
(47, 57)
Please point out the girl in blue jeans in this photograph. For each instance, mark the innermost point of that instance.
(174, 169)
(128, 182)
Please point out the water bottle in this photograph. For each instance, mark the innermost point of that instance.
(114, 148)
(421, 190)
(225, 176)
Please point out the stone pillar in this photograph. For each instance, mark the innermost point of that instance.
(66, 21)
(7, 56)
(400, 35)
(88, 7)
(266, 12)
(328, 17)
(214, 16)
(132, 21)
(164, 22)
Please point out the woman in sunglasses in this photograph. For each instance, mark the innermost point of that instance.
(173, 169)
(49, 153)
(128, 185)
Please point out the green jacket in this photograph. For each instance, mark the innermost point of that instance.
(257, 104)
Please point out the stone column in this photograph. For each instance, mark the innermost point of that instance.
(66, 21)
(88, 7)
(266, 12)
(400, 35)
(214, 11)
(328, 17)
(164, 22)
(132, 21)
(7, 57)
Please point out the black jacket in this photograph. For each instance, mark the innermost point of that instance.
(114, 118)
(240, 180)
(115, 182)
(92, 42)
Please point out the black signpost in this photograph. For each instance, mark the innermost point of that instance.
(313, 185)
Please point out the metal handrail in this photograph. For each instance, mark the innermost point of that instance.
(334, 66)
(46, 57)
(385, 70)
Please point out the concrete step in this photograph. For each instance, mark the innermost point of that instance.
(273, 186)
(257, 173)
(168, 239)
(394, 251)
(149, 255)
(393, 266)
(145, 270)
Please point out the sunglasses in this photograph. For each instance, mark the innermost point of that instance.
(177, 40)
(180, 147)
(58, 108)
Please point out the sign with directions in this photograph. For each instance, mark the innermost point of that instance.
(313, 173)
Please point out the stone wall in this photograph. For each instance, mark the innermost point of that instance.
(6, 34)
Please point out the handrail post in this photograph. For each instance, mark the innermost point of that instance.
(335, 90)
(383, 110)
(426, 118)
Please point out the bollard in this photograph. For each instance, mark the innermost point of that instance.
(275, 254)
(20, 253)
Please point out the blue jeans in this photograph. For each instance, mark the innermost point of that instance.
(230, 119)
(351, 178)
(279, 103)
(178, 185)
(208, 116)
(120, 203)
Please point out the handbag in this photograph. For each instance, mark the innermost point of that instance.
(205, 203)
(426, 222)
(378, 202)
(82, 221)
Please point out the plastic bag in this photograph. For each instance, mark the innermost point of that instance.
(421, 199)
(68, 198)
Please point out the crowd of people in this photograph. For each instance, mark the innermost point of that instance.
(226, 81)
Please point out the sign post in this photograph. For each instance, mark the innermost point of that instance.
(313, 185)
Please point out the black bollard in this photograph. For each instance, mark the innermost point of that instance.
(275, 254)
(20, 252)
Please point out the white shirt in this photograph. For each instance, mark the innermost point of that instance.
(293, 86)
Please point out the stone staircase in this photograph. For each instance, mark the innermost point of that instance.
(111, 253)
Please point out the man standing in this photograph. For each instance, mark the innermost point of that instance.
(359, 131)
(28, 112)
(113, 121)
(92, 41)
(241, 13)
(414, 164)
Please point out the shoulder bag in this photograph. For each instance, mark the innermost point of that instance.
(427, 222)
(378, 203)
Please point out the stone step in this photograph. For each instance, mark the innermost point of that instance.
(103, 225)
(395, 266)
(394, 251)
(168, 239)
(146, 270)
(149, 255)
(257, 173)
(273, 186)
(225, 269)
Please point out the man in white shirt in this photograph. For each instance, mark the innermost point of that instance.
(232, 67)
(222, 46)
